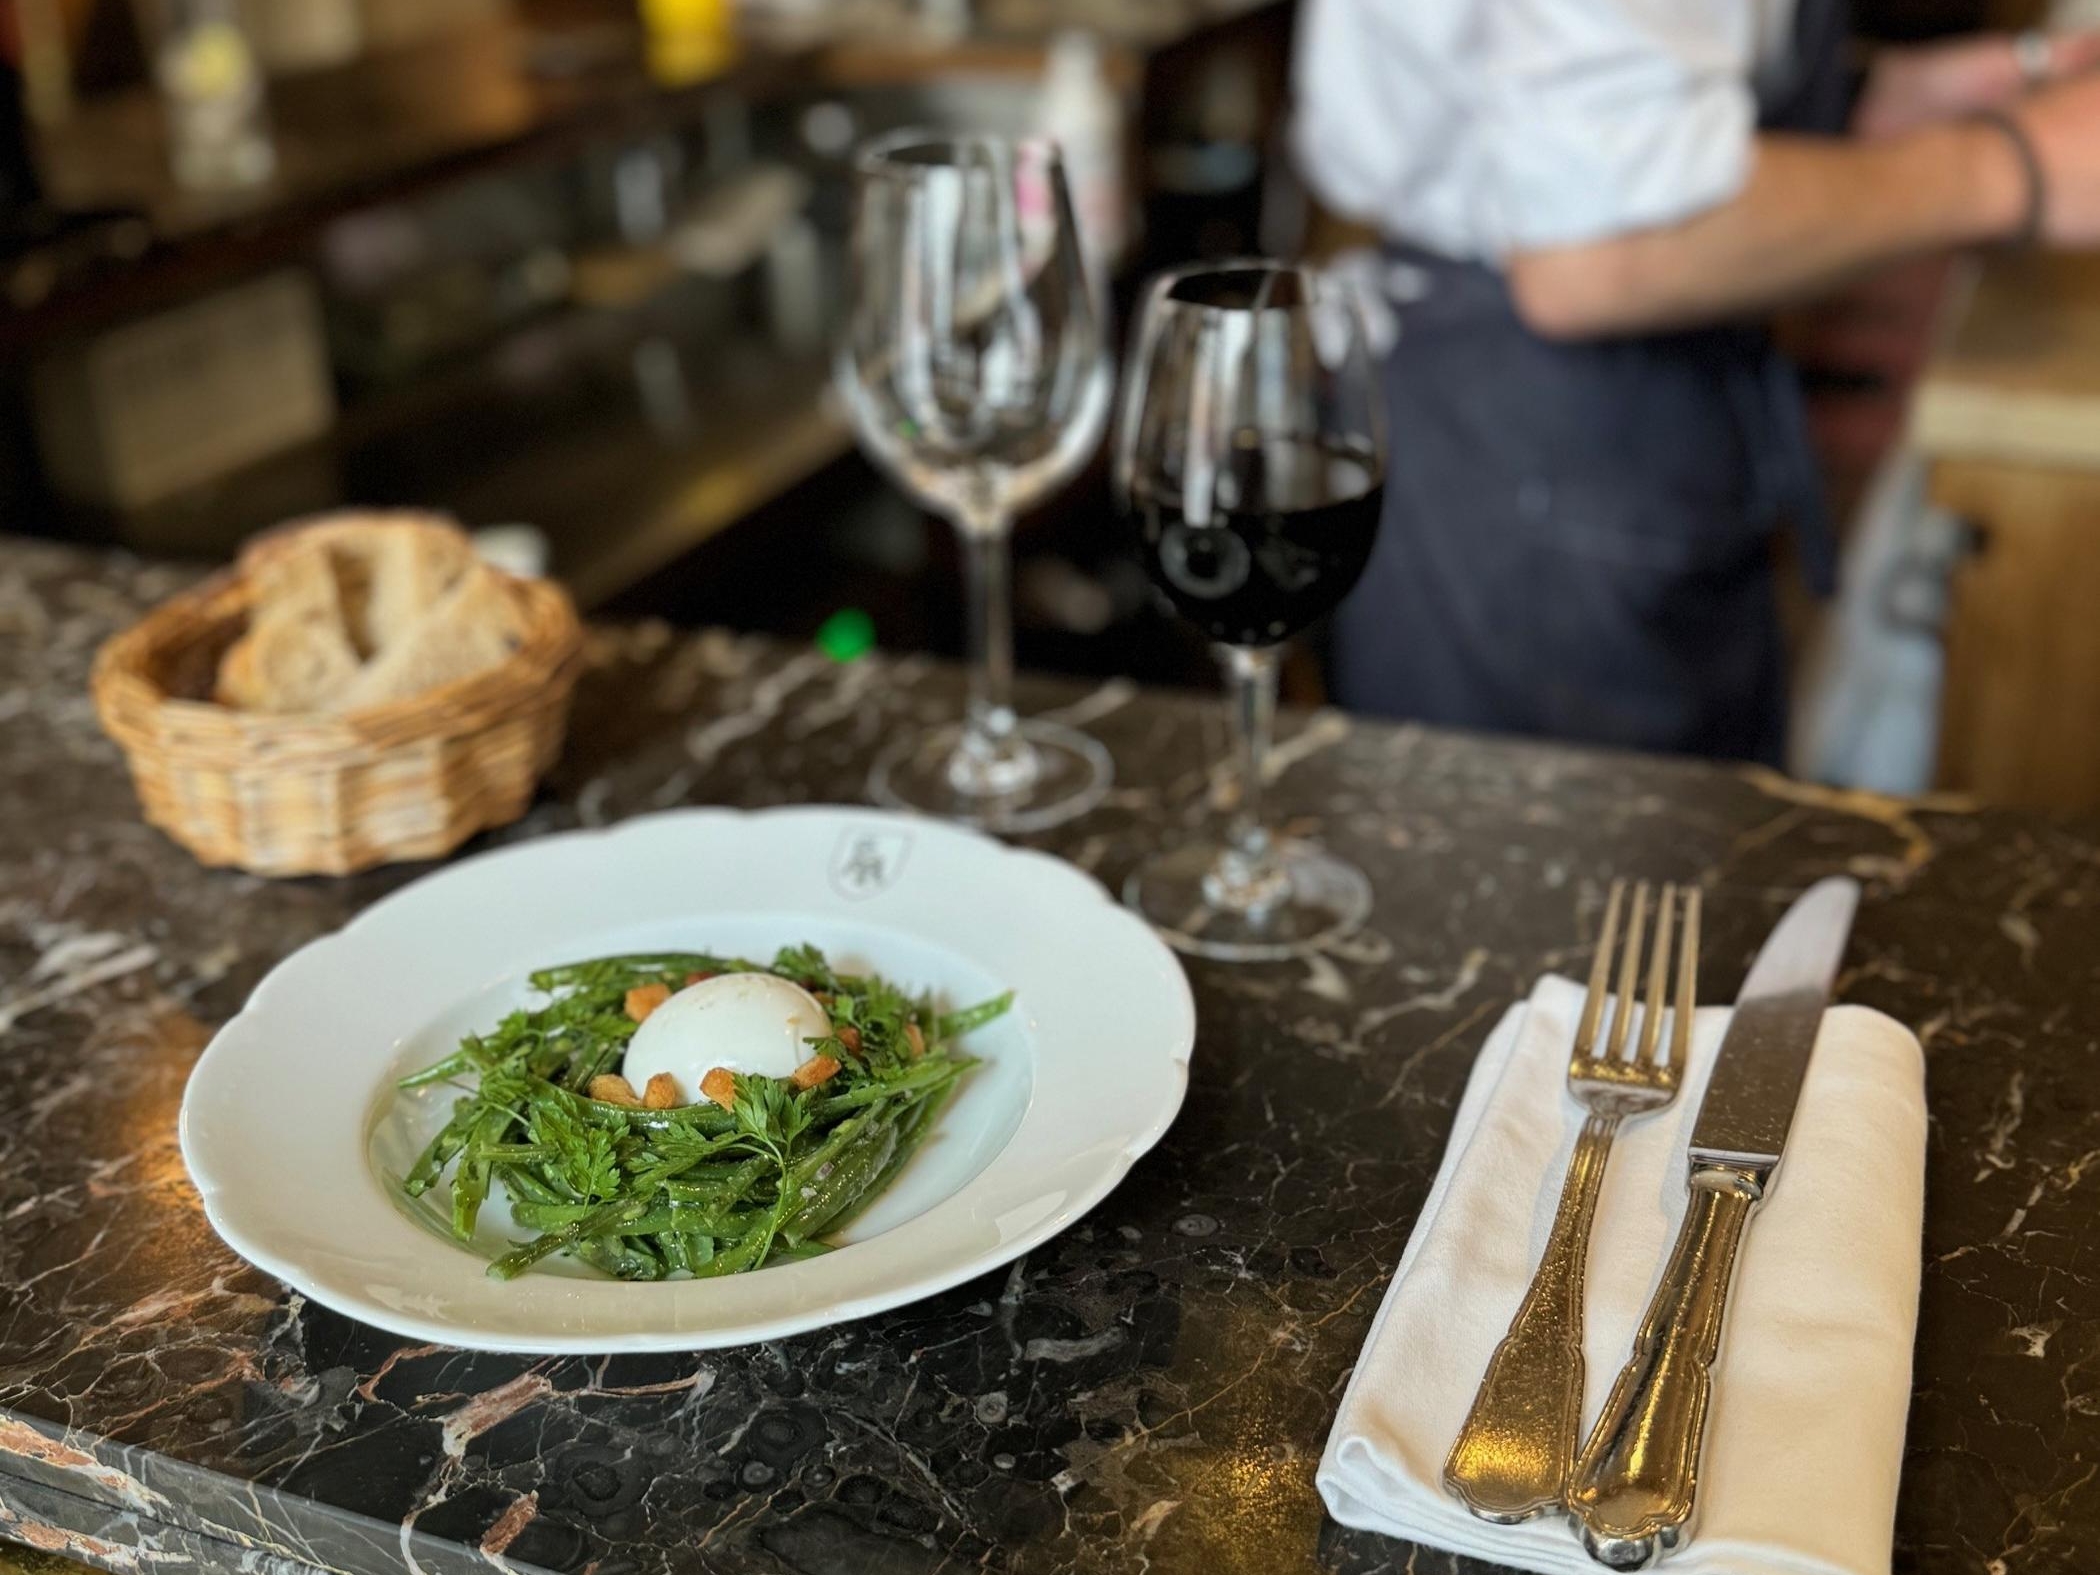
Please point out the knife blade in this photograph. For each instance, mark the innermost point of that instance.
(1636, 1480)
(1756, 1082)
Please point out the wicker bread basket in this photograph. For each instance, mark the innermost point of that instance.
(328, 794)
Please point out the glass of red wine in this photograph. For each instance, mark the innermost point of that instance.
(1250, 462)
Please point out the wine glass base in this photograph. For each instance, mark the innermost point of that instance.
(1071, 775)
(1327, 899)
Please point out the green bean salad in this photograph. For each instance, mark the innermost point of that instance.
(756, 1174)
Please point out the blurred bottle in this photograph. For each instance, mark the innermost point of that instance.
(211, 82)
(689, 40)
(1082, 112)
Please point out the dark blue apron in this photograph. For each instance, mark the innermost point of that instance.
(1577, 537)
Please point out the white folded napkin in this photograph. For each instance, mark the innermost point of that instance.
(1804, 1440)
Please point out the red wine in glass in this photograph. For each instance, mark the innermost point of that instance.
(1256, 574)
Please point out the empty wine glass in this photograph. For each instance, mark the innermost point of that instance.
(1250, 461)
(977, 375)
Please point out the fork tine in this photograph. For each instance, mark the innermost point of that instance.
(1600, 973)
(1658, 979)
(1629, 974)
(1687, 982)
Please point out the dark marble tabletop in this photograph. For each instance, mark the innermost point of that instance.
(1150, 1390)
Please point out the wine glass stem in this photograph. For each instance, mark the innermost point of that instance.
(1248, 878)
(993, 759)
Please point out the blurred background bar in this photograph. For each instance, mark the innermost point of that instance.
(573, 267)
(570, 264)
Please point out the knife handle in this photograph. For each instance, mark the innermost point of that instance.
(1636, 1477)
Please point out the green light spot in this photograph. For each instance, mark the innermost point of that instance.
(847, 635)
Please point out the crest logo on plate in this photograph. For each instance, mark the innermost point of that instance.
(867, 863)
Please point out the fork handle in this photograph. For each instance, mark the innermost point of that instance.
(1634, 1486)
(1512, 1458)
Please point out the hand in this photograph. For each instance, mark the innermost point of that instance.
(2063, 123)
(1908, 88)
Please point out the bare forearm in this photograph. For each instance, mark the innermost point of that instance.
(1814, 213)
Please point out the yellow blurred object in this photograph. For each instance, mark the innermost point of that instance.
(212, 62)
(689, 40)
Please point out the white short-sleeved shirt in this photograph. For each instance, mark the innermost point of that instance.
(1478, 128)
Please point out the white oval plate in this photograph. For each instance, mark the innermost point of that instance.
(291, 1130)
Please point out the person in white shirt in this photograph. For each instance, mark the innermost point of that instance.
(1588, 203)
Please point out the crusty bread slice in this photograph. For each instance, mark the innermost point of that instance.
(400, 571)
(297, 654)
(390, 565)
(472, 627)
(364, 611)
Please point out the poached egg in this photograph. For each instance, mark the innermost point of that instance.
(751, 1023)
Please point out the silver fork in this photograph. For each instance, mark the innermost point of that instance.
(1512, 1458)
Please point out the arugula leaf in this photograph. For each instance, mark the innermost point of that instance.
(670, 1154)
(953, 1024)
(503, 1089)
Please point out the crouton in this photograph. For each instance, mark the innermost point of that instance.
(817, 1069)
(720, 1086)
(609, 1088)
(646, 998)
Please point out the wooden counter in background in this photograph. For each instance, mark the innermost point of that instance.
(2008, 416)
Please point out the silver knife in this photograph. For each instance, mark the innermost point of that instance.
(1637, 1477)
